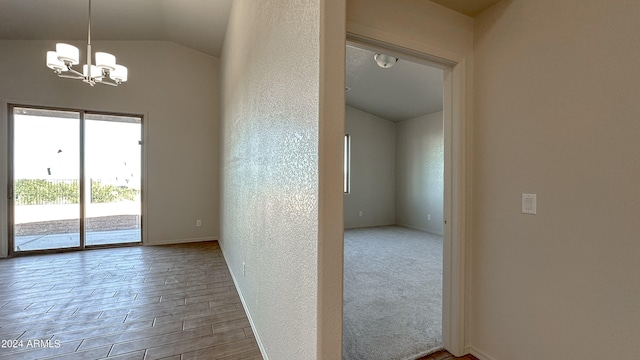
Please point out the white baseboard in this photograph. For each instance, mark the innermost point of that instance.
(364, 226)
(180, 241)
(477, 353)
(246, 310)
(419, 228)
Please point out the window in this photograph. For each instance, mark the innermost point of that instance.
(347, 164)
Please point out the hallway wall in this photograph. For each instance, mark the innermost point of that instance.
(282, 126)
(557, 115)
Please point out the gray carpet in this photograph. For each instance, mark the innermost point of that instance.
(392, 293)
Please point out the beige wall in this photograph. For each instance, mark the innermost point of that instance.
(175, 88)
(373, 158)
(281, 172)
(420, 173)
(414, 24)
(557, 114)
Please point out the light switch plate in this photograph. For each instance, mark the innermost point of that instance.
(529, 205)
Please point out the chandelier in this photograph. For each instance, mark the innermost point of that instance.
(105, 71)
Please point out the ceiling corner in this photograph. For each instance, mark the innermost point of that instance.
(467, 7)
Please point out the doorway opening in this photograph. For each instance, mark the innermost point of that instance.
(394, 211)
(74, 179)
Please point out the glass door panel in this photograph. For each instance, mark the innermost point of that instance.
(46, 178)
(112, 154)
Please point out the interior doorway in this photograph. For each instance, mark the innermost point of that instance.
(394, 209)
(74, 179)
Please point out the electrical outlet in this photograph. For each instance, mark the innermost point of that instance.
(198, 223)
(429, 217)
(243, 269)
(360, 213)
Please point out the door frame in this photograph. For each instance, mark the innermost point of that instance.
(10, 199)
(455, 174)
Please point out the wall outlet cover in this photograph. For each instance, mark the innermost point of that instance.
(529, 204)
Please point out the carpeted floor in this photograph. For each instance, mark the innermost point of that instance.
(392, 293)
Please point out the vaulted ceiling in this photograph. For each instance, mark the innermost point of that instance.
(404, 91)
(198, 24)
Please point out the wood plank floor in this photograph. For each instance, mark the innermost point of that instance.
(151, 302)
(445, 355)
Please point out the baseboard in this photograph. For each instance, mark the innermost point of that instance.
(365, 226)
(181, 241)
(477, 353)
(420, 229)
(246, 309)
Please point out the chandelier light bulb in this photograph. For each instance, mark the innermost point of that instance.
(105, 61)
(120, 73)
(54, 63)
(95, 71)
(68, 53)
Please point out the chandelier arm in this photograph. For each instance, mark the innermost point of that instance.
(75, 77)
(73, 71)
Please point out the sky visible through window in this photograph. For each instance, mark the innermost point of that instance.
(48, 148)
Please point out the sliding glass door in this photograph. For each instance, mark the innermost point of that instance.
(112, 179)
(46, 179)
(75, 179)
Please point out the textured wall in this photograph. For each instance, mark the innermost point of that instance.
(270, 179)
(557, 114)
(373, 157)
(420, 172)
(178, 94)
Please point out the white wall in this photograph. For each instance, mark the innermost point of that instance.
(175, 88)
(281, 169)
(373, 157)
(420, 172)
(557, 114)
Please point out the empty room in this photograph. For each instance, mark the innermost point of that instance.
(172, 180)
(125, 176)
(394, 173)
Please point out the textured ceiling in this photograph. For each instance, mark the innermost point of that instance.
(402, 92)
(198, 24)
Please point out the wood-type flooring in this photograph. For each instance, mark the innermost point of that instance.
(142, 302)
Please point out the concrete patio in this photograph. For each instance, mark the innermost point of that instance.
(40, 227)
(59, 241)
